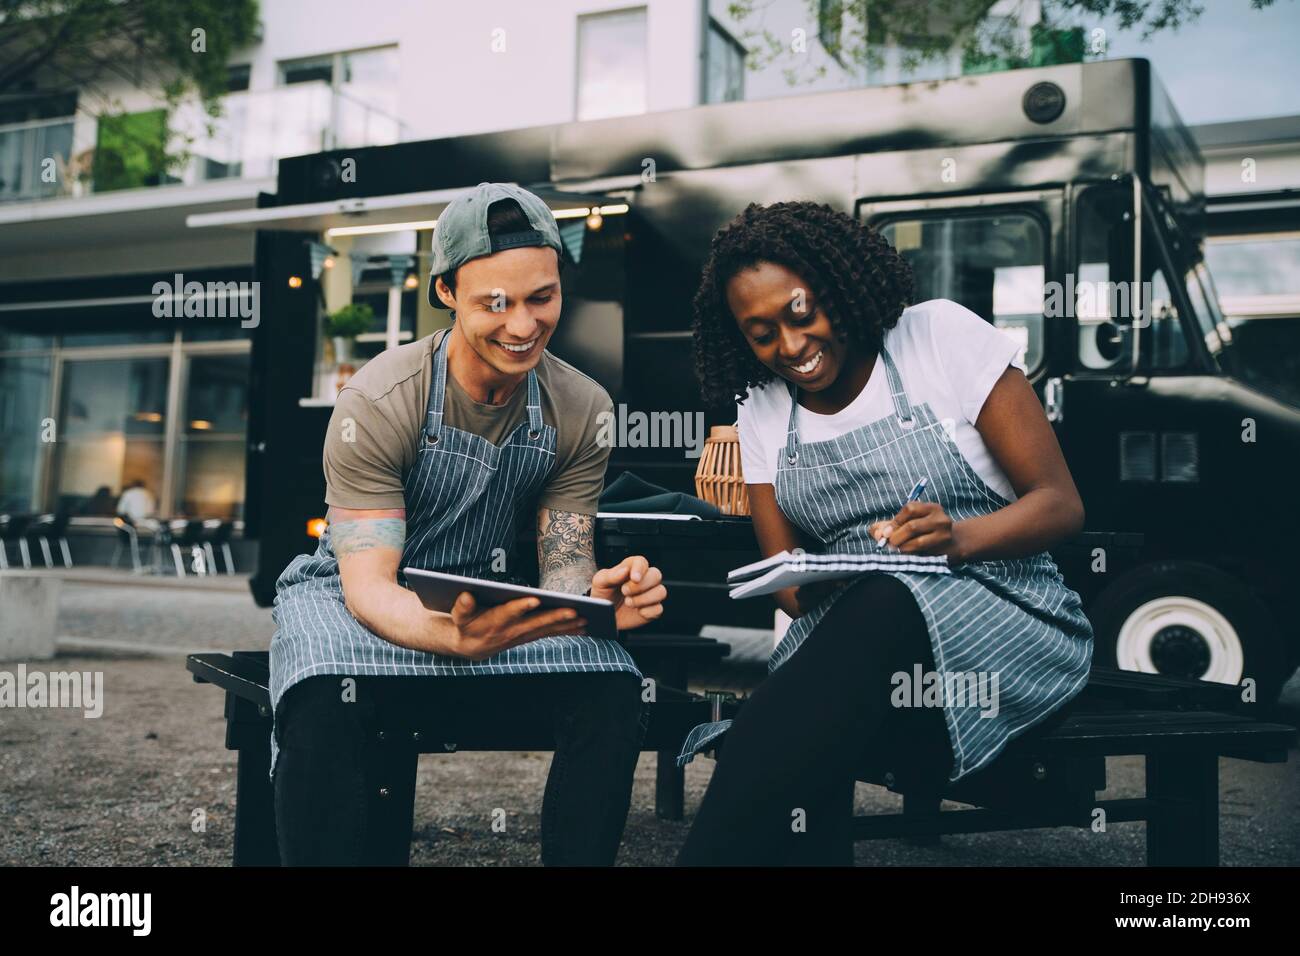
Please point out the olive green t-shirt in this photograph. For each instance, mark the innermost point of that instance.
(367, 458)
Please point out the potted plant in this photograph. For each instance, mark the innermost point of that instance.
(345, 325)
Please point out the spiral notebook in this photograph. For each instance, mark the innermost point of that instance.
(786, 569)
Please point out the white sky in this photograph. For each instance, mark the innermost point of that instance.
(1233, 63)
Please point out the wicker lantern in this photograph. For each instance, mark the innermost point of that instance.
(719, 479)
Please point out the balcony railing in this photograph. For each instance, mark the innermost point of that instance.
(255, 130)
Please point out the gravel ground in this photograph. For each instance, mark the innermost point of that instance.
(123, 789)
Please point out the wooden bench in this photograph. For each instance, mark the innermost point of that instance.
(244, 676)
(1050, 777)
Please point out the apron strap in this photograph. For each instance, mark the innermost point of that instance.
(438, 391)
(791, 429)
(902, 407)
(534, 406)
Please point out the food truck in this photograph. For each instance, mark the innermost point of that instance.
(1064, 205)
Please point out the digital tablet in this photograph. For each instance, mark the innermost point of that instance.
(438, 592)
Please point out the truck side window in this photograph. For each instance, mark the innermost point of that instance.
(1105, 251)
(992, 264)
(1100, 292)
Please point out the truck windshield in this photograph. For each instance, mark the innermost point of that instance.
(1258, 280)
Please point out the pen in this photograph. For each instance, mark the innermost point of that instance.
(918, 489)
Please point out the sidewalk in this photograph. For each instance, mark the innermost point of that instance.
(91, 574)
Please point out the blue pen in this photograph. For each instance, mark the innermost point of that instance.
(918, 489)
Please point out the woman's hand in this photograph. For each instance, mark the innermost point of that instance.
(808, 596)
(920, 527)
(636, 589)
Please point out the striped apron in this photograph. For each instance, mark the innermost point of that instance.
(1010, 619)
(462, 497)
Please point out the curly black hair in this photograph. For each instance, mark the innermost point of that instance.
(855, 275)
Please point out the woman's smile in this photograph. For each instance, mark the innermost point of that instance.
(809, 368)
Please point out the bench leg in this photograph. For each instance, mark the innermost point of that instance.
(255, 841)
(670, 786)
(390, 787)
(1184, 830)
(670, 779)
(916, 806)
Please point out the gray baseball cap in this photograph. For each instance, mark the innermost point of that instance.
(462, 233)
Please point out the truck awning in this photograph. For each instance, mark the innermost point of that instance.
(412, 210)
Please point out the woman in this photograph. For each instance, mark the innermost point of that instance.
(848, 394)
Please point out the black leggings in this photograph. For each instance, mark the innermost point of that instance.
(326, 775)
(782, 790)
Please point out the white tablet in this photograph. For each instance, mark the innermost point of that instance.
(438, 592)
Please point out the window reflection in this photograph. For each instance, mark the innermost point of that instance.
(111, 431)
(24, 407)
(210, 452)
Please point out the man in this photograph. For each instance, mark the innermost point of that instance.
(136, 503)
(432, 450)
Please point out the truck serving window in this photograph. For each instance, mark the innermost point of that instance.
(993, 265)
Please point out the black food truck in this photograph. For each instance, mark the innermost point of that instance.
(1064, 205)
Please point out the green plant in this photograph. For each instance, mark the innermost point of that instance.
(350, 321)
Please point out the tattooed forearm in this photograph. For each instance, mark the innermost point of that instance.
(566, 550)
(354, 531)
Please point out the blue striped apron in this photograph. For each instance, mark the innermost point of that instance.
(462, 497)
(1013, 618)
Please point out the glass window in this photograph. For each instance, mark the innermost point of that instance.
(24, 430)
(1164, 344)
(1105, 262)
(19, 340)
(1247, 267)
(993, 265)
(215, 332)
(111, 431)
(725, 64)
(134, 337)
(312, 70)
(210, 454)
(611, 64)
(368, 82)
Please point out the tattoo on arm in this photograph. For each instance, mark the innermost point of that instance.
(566, 550)
(349, 535)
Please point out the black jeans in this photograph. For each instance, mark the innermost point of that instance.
(325, 735)
(782, 790)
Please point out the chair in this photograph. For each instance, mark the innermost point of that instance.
(188, 535)
(127, 535)
(11, 529)
(58, 531)
(37, 532)
(217, 535)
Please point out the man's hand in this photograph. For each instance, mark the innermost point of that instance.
(483, 633)
(636, 589)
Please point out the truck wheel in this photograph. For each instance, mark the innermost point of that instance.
(1188, 620)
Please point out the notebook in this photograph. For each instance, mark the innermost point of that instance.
(785, 570)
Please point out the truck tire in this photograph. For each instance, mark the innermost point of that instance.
(1190, 620)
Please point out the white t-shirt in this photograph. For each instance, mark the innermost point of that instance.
(949, 359)
(137, 503)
